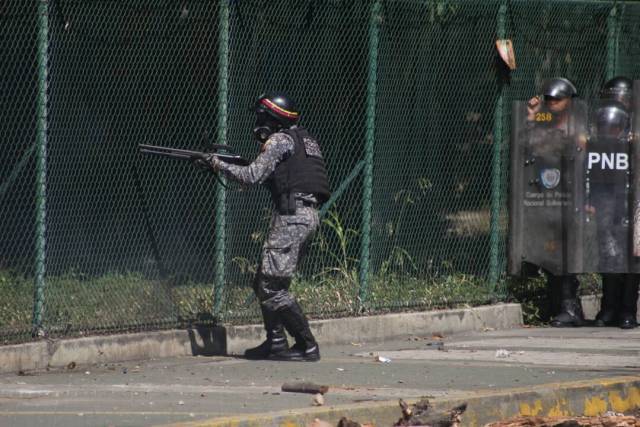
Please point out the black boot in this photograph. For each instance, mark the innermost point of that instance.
(276, 341)
(629, 303)
(628, 321)
(612, 285)
(570, 305)
(554, 296)
(306, 348)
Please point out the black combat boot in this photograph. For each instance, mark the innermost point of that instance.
(629, 303)
(612, 285)
(306, 348)
(276, 341)
(570, 305)
(628, 321)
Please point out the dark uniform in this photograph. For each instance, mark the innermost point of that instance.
(291, 166)
(608, 193)
(549, 144)
(610, 199)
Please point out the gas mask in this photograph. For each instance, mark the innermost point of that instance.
(265, 126)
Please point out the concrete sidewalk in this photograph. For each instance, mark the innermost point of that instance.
(499, 372)
(223, 340)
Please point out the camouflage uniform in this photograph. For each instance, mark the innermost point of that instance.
(287, 241)
(288, 234)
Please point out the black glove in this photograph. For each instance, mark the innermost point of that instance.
(206, 162)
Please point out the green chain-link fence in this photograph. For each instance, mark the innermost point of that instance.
(407, 97)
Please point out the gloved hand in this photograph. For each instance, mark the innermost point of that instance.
(533, 106)
(207, 162)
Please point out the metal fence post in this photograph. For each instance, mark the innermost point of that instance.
(613, 32)
(496, 176)
(220, 221)
(41, 163)
(372, 81)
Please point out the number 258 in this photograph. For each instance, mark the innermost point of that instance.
(543, 117)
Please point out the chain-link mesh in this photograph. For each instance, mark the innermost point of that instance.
(18, 97)
(131, 242)
(432, 185)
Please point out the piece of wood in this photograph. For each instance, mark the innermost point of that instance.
(421, 414)
(310, 388)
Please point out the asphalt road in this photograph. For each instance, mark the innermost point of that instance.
(192, 388)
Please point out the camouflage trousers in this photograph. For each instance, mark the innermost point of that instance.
(287, 242)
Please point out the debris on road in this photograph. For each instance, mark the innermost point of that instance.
(344, 422)
(318, 400)
(303, 387)
(598, 421)
(420, 414)
(502, 353)
(439, 345)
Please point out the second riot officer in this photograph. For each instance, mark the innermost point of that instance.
(609, 200)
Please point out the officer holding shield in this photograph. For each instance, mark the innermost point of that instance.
(609, 180)
(551, 138)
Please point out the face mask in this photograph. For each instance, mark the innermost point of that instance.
(262, 133)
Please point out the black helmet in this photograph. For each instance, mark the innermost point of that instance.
(611, 120)
(559, 87)
(274, 111)
(618, 89)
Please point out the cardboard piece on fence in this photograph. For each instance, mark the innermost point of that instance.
(508, 55)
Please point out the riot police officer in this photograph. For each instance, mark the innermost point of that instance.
(555, 102)
(618, 89)
(609, 200)
(291, 166)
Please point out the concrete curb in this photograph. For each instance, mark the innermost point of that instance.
(219, 340)
(592, 397)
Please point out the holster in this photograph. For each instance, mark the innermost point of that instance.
(286, 204)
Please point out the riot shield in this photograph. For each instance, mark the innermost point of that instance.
(605, 237)
(635, 149)
(547, 157)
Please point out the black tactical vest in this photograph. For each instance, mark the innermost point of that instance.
(302, 172)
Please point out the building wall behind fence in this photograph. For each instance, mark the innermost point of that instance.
(407, 98)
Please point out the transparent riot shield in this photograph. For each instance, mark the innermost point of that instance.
(606, 231)
(547, 157)
(635, 149)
